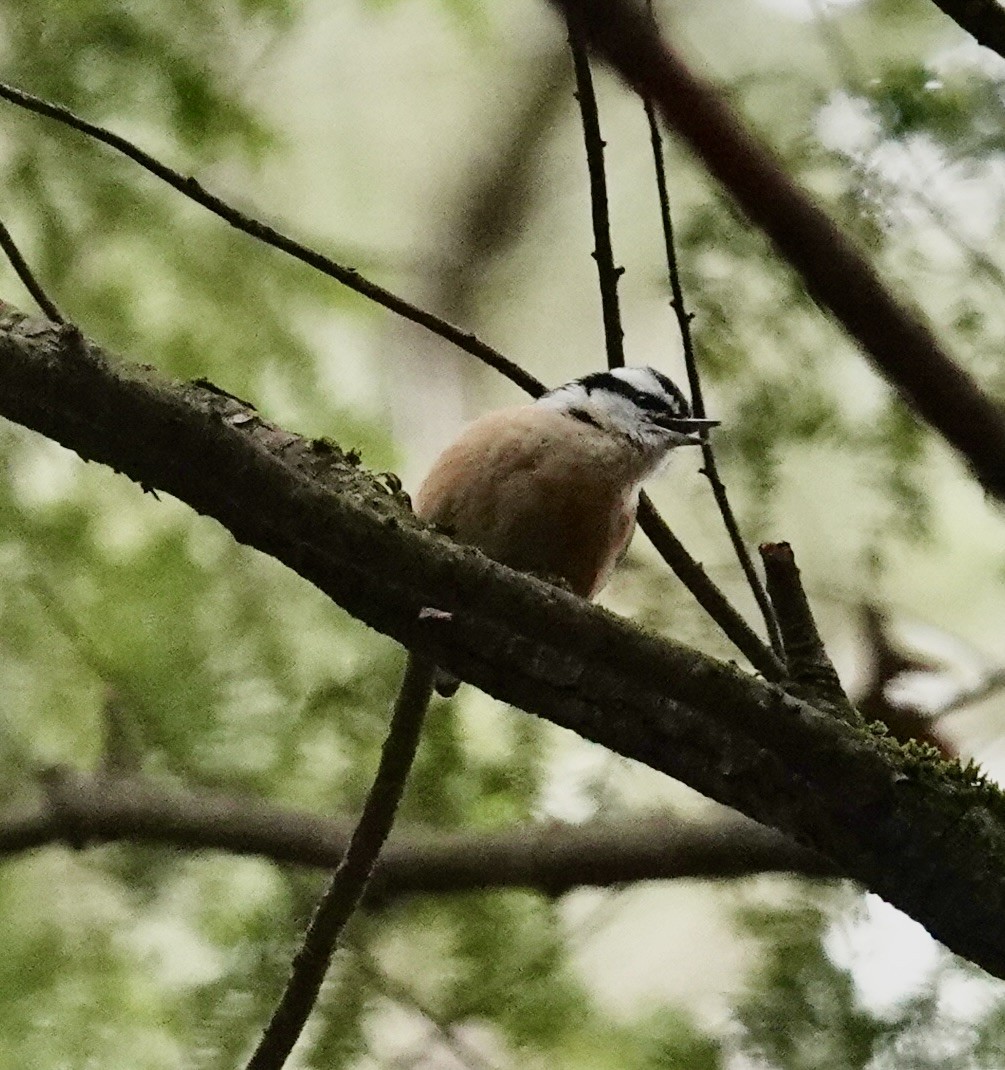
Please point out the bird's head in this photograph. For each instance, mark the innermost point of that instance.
(638, 403)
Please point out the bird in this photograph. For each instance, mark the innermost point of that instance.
(552, 487)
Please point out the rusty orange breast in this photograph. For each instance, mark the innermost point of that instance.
(539, 491)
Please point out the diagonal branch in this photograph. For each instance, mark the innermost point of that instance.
(256, 228)
(984, 20)
(27, 277)
(835, 271)
(709, 597)
(810, 671)
(352, 875)
(906, 825)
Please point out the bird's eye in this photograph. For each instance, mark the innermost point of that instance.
(660, 411)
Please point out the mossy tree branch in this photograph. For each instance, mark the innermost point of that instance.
(924, 834)
(686, 568)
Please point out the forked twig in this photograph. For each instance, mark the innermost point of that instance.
(687, 569)
(684, 318)
(836, 272)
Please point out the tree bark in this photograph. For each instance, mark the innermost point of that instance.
(925, 834)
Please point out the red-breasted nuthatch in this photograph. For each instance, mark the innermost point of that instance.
(552, 487)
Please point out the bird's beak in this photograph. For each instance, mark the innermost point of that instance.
(689, 428)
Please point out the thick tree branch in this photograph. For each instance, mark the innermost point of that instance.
(686, 568)
(927, 835)
(835, 271)
(84, 810)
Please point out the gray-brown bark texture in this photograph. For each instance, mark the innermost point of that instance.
(926, 835)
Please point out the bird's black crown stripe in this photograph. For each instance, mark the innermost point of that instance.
(673, 401)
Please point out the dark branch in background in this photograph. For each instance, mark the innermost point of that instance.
(465, 1054)
(836, 273)
(349, 882)
(811, 673)
(497, 198)
(24, 273)
(684, 318)
(984, 20)
(907, 826)
(82, 809)
(607, 272)
(992, 683)
(886, 660)
(686, 568)
(192, 189)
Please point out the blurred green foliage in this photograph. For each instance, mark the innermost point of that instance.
(804, 1011)
(136, 636)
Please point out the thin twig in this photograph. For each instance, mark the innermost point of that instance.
(24, 273)
(670, 548)
(995, 681)
(836, 272)
(192, 189)
(683, 565)
(607, 272)
(708, 596)
(710, 468)
(811, 673)
(353, 873)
